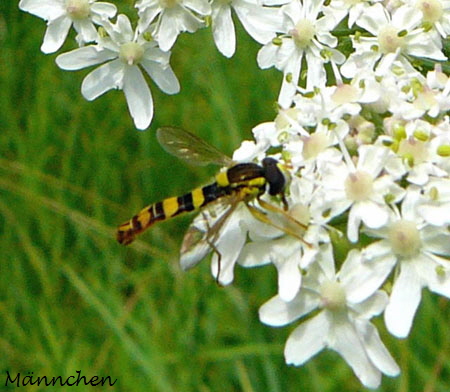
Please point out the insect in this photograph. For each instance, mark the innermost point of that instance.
(237, 183)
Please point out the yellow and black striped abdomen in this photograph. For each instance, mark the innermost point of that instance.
(245, 179)
(169, 208)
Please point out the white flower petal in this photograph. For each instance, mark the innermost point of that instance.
(201, 7)
(255, 254)
(376, 350)
(105, 9)
(372, 214)
(84, 57)
(421, 47)
(307, 340)
(123, 26)
(45, 9)
(189, 258)
(373, 19)
(434, 214)
(102, 79)
(407, 18)
(167, 33)
(229, 246)
(267, 56)
(372, 159)
(147, 15)
(139, 98)
(289, 88)
(289, 278)
(373, 306)
(86, 31)
(348, 344)
(354, 221)
(260, 22)
(165, 78)
(223, 30)
(437, 282)
(369, 278)
(277, 312)
(386, 62)
(360, 279)
(436, 241)
(56, 34)
(404, 300)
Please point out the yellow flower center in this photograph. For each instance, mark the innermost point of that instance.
(404, 238)
(332, 296)
(413, 150)
(431, 9)
(78, 9)
(389, 39)
(303, 33)
(168, 3)
(358, 185)
(315, 144)
(131, 53)
(345, 93)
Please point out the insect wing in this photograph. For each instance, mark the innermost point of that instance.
(190, 148)
(201, 236)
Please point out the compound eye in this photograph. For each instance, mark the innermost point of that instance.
(266, 162)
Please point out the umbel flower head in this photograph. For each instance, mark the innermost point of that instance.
(385, 189)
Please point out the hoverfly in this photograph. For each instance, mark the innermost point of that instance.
(237, 183)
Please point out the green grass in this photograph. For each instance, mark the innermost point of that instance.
(72, 299)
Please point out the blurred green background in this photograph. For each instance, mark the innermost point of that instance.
(72, 299)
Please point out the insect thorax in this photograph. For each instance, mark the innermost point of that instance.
(274, 176)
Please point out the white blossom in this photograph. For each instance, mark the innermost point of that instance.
(342, 323)
(171, 17)
(394, 37)
(123, 54)
(305, 35)
(62, 14)
(286, 252)
(435, 13)
(416, 247)
(362, 189)
(260, 22)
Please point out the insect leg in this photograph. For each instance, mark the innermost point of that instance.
(261, 216)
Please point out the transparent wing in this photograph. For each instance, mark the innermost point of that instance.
(190, 148)
(202, 235)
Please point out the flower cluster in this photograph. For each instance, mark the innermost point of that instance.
(369, 177)
(124, 52)
(362, 132)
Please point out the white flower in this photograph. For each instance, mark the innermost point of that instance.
(222, 232)
(362, 189)
(173, 17)
(394, 38)
(260, 22)
(287, 253)
(354, 9)
(435, 13)
(434, 206)
(417, 249)
(62, 14)
(306, 35)
(342, 323)
(314, 150)
(418, 150)
(123, 54)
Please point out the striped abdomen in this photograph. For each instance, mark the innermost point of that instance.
(168, 208)
(247, 178)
